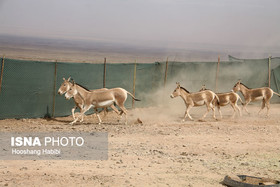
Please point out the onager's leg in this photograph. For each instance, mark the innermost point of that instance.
(262, 107)
(267, 107)
(187, 113)
(82, 118)
(120, 114)
(123, 111)
(86, 108)
(115, 109)
(94, 110)
(213, 108)
(105, 111)
(207, 111)
(73, 112)
(234, 109)
(239, 111)
(97, 114)
(220, 112)
(245, 105)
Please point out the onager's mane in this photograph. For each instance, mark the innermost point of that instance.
(243, 85)
(184, 89)
(83, 87)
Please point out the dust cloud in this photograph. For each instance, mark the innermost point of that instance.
(163, 108)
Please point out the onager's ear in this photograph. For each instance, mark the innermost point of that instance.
(69, 79)
(239, 81)
(73, 82)
(64, 79)
(178, 84)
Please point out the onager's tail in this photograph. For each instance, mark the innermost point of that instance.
(276, 93)
(133, 96)
(218, 100)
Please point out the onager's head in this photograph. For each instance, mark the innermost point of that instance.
(177, 91)
(71, 92)
(65, 86)
(203, 88)
(236, 87)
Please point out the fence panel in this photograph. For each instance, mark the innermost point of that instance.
(29, 88)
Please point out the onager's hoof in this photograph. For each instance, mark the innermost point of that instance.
(214, 117)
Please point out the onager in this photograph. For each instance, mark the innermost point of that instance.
(225, 99)
(79, 102)
(205, 97)
(100, 99)
(264, 94)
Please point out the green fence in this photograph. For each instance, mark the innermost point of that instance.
(28, 89)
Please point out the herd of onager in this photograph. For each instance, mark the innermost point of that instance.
(102, 98)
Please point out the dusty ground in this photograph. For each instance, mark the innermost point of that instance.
(160, 152)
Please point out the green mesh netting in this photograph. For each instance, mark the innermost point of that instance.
(275, 78)
(29, 88)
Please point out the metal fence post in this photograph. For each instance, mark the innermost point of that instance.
(54, 88)
(166, 69)
(269, 71)
(134, 80)
(104, 74)
(217, 74)
(2, 72)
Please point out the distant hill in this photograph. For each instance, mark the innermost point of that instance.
(67, 50)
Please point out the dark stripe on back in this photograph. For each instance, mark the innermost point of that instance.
(185, 89)
(82, 87)
(245, 85)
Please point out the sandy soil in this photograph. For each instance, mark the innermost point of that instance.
(161, 151)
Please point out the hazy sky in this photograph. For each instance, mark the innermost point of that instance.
(237, 22)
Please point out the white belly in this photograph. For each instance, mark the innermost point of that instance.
(199, 103)
(257, 98)
(104, 103)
